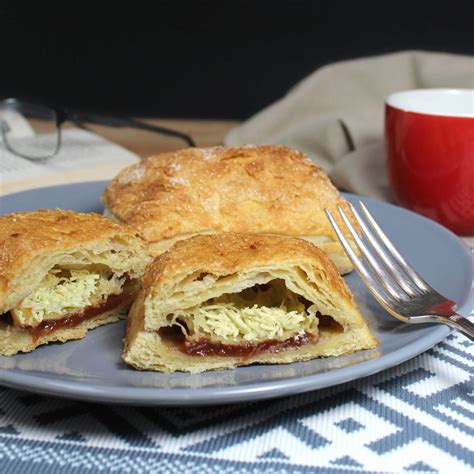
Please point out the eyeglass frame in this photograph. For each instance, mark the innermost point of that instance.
(62, 115)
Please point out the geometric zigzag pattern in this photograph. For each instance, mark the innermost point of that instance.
(416, 417)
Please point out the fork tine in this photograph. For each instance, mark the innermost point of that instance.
(395, 253)
(401, 278)
(379, 271)
(371, 283)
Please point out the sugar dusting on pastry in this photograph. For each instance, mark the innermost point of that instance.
(175, 167)
(133, 174)
(210, 153)
(179, 180)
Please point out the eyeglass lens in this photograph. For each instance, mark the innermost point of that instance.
(29, 130)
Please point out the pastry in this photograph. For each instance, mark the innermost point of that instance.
(62, 273)
(224, 300)
(266, 189)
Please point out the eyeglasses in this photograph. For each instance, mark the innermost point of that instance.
(33, 131)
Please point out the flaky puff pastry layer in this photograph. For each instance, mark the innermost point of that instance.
(264, 189)
(32, 243)
(230, 263)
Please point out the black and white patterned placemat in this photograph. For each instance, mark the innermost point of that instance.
(417, 417)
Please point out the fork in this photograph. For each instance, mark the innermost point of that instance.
(393, 282)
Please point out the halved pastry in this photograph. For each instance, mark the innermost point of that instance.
(265, 189)
(225, 300)
(62, 273)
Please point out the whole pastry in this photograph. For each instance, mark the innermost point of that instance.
(224, 300)
(63, 273)
(265, 189)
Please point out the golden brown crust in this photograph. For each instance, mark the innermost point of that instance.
(23, 233)
(265, 189)
(224, 254)
(31, 243)
(177, 280)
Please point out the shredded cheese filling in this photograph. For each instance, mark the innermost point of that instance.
(65, 291)
(253, 315)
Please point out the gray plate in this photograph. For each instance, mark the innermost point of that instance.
(91, 369)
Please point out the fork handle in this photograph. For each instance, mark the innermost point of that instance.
(462, 324)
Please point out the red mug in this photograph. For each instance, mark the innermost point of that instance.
(429, 138)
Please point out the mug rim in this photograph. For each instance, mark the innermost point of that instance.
(427, 101)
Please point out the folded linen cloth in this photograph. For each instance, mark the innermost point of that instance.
(336, 114)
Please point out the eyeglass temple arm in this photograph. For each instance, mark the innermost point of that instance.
(128, 122)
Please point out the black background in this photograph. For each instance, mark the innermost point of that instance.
(215, 59)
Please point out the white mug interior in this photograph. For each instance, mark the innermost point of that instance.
(445, 102)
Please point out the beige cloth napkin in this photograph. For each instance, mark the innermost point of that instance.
(336, 114)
